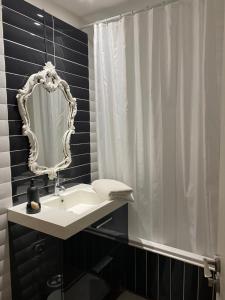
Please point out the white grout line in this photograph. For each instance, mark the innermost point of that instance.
(74, 86)
(46, 39)
(62, 58)
(85, 44)
(28, 62)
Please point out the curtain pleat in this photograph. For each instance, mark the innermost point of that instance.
(158, 77)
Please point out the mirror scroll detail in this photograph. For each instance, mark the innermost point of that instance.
(47, 109)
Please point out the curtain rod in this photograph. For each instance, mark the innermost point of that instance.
(129, 13)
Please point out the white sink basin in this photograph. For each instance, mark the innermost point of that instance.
(77, 201)
(65, 215)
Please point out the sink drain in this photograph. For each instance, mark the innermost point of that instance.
(55, 281)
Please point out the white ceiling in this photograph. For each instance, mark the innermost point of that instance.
(92, 10)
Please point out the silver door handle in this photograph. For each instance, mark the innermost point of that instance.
(103, 223)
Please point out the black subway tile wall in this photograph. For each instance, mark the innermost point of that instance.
(31, 37)
(157, 277)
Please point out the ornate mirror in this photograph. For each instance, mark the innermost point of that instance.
(47, 109)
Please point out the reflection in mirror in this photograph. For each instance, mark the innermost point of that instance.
(48, 113)
(47, 109)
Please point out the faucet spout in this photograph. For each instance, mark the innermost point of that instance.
(58, 188)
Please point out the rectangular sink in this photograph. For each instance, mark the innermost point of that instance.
(65, 215)
(77, 201)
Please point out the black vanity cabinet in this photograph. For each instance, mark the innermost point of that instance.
(90, 265)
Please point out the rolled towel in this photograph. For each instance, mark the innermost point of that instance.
(110, 189)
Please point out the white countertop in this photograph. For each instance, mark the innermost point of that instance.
(61, 223)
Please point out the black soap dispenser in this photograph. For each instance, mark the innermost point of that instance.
(33, 203)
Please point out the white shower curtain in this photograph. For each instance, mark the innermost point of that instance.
(157, 77)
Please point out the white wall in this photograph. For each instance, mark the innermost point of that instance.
(58, 12)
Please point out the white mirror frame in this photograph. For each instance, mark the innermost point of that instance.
(50, 80)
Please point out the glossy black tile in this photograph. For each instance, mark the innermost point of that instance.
(18, 143)
(16, 66)
(28, 39)
(70, 43)
(68, 66)
(82, 127)
(19, 157)
(130, 268)
(75, 80)
(25, 8)
(83, 105)
(14, 81)
(71, 55)
(24, 53)
(15, 127)
(11, 96)
(205, 292)
(152, 275)
(75, 172)
(80, 148)
(191, 282)
(82, 116)
(20, 186)
(13, 113)
(71, 31)
(164, 278)
(141, 271)
(21, 198)
(79, 92)
(26, 34)
(177, 278)
(80, 138)
(20, 172)
(80, 160)
(82, 179)
(11, 17)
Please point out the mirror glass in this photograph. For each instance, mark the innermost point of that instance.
(48, 114)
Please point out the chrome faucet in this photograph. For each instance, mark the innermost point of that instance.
(58, 188)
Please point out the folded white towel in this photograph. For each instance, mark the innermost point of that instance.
(112, 189)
